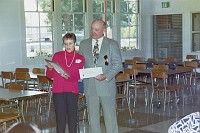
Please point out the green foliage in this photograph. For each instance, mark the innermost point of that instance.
(128, 48)
(127, 32)
(41, 53)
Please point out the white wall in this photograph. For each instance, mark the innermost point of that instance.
(10, 31)
(154, 7)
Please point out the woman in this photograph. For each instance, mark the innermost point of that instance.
(65, 86)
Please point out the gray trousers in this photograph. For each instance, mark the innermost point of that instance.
(109, 112)
(66, 111)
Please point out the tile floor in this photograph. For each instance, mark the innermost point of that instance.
(145, 119)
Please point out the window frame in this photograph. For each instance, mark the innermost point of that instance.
(193, 32)
(41, 41)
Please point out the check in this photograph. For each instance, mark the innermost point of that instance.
(90, 72)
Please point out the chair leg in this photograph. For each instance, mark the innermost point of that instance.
(129, 108)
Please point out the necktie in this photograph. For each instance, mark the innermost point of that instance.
(96, 52)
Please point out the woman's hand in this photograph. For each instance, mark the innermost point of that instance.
(50, 66)
(64, 75)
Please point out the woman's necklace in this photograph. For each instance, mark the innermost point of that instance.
(71, 61)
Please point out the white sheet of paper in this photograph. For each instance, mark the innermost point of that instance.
(90, 72)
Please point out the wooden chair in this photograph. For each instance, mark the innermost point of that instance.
(15, 86)
(161, 67)
(140, 67)
(184, 81)
(151, 62)
(159, 84)
(170, 59)
(82, 106)
(123, 79)
(193, 74)
(38, 71)
(21, 70)
(138, 59)
(44, 84)
(155, 60)
(7, 117)
(191, 57)
(22, 78)
(192, 64)
(10, 109)
(7, 78)
(128, 63)
(135, 85)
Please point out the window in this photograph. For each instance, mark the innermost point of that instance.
(73, 18)
(39, 27)
(104, 10)
(129, 16)
(195, 32)
(39, 22)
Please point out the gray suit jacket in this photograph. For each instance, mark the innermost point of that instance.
(109, 48)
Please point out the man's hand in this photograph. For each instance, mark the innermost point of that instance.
(100, 77)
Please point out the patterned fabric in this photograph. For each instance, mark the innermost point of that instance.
(188, 124)
(96, 52)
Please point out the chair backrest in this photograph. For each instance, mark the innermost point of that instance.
(155, 60)
(161, 67)
(38, 70)
(43, 79)
(139, 66)
(131, 71)
(192, 64)
(15, 86)
(124, 83)
(19, 70)
(128, 63)
(44, 83)
(159, 74)
(138, 59)
(6, 76)
(170, 59)
(158, 78)
(191, 57)
(23, 78)
(122, 76)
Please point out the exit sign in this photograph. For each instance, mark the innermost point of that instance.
(165, 4)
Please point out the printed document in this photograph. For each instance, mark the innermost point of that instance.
(90, 72)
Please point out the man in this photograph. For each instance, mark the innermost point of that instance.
(101, 90)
